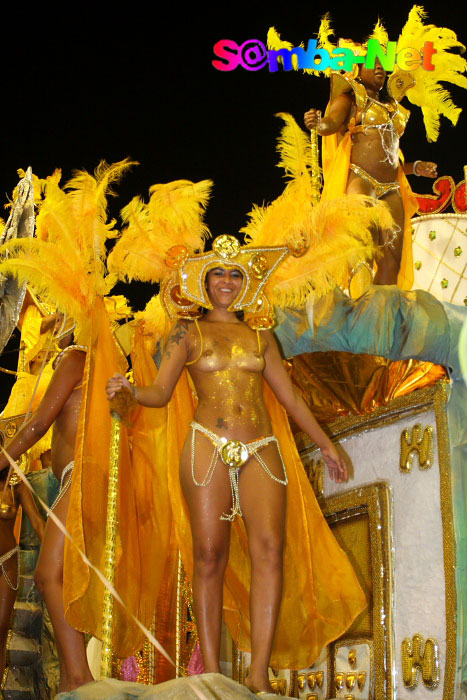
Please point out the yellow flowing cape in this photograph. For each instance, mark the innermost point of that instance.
(136, 541)
(321, 595)
(336, 162)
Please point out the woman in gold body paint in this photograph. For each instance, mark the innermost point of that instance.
(227, 366)
(375, 129)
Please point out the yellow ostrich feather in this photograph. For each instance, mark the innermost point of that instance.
(428, 94)
(324, 32)
(64, 264)
(379, 33)
(173, 216)
(294, 147)
(336, 233)
(154, 321)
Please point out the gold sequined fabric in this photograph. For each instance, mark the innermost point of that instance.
(338, 383)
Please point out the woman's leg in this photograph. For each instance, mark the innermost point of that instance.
(389, 265)
(74, 669)
(211, 539)
(390, 242)
(7, 600)
(263, 502)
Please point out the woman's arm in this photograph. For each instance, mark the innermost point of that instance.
(176, 352)
(279, 381)
(30, 509)
(338, 114)
(68, 373)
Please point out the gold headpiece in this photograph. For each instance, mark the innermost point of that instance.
(185, 290)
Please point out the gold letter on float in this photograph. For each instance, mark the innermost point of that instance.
(414, 659)
(422, 444)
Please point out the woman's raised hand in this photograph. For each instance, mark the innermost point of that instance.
(312, 118)
(115, 383)
(335, 462)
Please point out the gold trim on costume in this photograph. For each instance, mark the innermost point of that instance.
(380, 188)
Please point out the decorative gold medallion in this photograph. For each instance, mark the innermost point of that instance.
(10, 429)
(417, 657)
(176, 256)
(178, 298)
(259, 266)
(419, 443)
(298, 248)
(226, 247)
(234, 453)
(261, 323)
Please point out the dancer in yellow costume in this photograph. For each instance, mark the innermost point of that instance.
(367, 162)
(64, 265)
(228, 444)
(361, 133)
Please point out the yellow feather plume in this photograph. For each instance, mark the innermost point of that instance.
(64, 264)
(336, 233)
(324, 32)
(433, 98)
(173, 216)
(155, 322)
(379, 33)
(294, 147)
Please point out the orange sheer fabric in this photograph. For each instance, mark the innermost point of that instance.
(83, 591)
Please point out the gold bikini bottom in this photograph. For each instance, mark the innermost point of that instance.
(380, 188)
(234, 454)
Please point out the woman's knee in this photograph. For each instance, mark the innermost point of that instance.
(44, 578)
(267, 549)
(210, 559)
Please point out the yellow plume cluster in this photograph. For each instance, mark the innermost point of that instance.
(155, 322)
(335, 233)
(379, 33)
(428, 93)
(65, 263)
(173, 216)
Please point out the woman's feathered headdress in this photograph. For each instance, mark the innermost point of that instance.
(64, 264)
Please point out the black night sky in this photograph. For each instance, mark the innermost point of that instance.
(100, 80)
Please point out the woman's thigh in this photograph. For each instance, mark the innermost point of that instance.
(208, 502)
(51, 557)
(262, 498)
